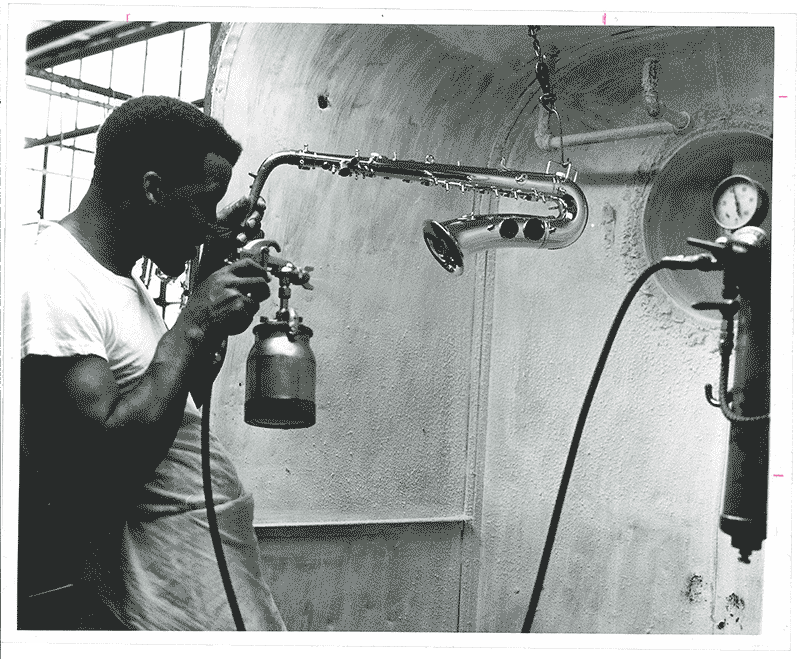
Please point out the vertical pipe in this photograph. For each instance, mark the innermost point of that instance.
(46, 149)
(44, 183)
(144, 64)
(180, 70)
(72, 160)
(744, 513)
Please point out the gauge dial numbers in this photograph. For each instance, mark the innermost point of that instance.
(739, 201)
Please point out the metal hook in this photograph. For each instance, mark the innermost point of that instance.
(709, 390)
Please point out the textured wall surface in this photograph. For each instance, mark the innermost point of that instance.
(441, 396)
(363, 577)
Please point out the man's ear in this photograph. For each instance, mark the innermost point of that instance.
(151, 184)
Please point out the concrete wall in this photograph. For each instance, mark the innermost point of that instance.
(446, 404)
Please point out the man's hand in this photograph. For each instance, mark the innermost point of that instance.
(221, 237)
(226, 301)
(233, 220)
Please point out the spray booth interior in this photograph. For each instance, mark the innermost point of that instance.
(421, 498)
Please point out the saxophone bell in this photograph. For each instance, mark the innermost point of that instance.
(450, 241)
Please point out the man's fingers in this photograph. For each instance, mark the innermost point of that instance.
(254, 287)
(247, 267)
(254, 220)
(231, 215)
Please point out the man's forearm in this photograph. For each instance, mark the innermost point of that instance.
(154, 407)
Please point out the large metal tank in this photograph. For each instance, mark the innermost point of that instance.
(421, 498)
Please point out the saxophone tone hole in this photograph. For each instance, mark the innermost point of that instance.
(509, 228)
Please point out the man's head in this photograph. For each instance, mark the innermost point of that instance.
(167, 165)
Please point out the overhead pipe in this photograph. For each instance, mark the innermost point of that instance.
(52, 139)
(75, 83)
(673, 121)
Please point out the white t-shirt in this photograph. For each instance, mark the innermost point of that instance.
(167, 576)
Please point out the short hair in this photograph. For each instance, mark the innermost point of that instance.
(161, 134)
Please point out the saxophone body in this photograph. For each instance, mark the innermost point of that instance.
(450, 241)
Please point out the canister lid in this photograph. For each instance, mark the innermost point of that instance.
(269, 326)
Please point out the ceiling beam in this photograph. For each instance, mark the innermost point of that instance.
(56, 31)
(94, 39)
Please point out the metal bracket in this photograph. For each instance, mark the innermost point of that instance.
(568, 174)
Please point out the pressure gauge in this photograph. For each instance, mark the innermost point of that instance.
(739, 201)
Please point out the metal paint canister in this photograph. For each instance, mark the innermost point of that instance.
(281, 377)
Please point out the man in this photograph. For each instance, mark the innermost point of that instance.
(113, 528)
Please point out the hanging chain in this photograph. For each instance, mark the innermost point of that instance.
(537, 49)
(548, 97)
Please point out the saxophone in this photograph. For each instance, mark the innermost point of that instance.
(449, 241)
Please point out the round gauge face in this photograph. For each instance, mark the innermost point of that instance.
(739, 201)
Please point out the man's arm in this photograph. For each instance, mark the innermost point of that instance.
(128, 435)
(86, 448)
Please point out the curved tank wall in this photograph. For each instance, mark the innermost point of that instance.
(444, 398)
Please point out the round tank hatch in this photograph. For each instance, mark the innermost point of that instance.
(680, 205)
